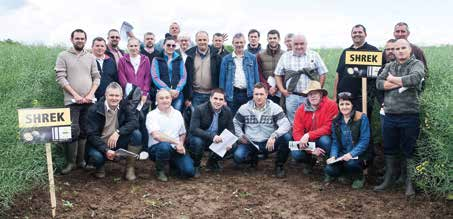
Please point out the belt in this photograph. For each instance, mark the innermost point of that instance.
(240, 90)
(298, 94)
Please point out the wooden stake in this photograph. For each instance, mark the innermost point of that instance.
(364, 95)
(53, 202)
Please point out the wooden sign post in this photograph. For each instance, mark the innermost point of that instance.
(53, 201)
(39, 126)
(371, 59)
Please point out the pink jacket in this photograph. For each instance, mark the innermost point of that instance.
(126, 73)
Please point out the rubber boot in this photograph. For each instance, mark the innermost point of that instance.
(409, 186)
(81, 153)
(388, 176)
(130, 163)
(160, 171)
(71, 154)
(403, 173)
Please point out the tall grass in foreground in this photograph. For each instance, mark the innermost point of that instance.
(27, 79)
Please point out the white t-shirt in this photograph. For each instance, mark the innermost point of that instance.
(172, 124)
(135, 63)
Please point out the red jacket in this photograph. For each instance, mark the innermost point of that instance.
(316, 123)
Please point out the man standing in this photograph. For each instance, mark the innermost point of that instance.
(400, 81)
(205, 71)
(294, 70)
(208, 121)
(401, 31)
(217, 43)
(148, 49)
(254, 45)
(78, 75)
(112, 125)
(262, 127)
(184, 45)
(173, 30)
(289, 41)
(106, 66)
(113, 49)
(166, 141)
(267, 61)
(238, 74)
(346, 82)
(313, 123)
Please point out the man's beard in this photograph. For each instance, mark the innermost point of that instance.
(149, 47)
(78, 48)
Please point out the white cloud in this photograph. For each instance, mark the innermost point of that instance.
(325, 23)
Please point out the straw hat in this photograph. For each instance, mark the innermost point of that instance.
(314, 86)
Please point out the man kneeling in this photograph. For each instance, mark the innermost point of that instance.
(166, 141)
(262, 127)
(208, 121)
(112, 125)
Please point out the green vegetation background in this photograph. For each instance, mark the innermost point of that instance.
(27, 79)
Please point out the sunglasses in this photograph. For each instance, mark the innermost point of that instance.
(343, 95)
(170, 45)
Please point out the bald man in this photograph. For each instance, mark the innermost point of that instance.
(294, 70)
(401, 31)
(400, 82)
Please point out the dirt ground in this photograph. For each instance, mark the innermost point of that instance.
(232, 193)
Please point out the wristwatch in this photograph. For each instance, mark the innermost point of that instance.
(117, 131)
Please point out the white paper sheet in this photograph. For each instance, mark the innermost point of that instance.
(125, 28)
(228, 139)
(339, 159)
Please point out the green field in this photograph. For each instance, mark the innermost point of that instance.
(27, 80)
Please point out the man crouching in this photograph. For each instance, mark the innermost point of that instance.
(112, 125)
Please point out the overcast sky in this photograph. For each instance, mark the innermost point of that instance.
(325, 23)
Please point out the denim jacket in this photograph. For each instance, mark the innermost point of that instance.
(228, 68)
(349, 146)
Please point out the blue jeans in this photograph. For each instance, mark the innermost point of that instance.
(164, 152)
(178, 102)
(348, 168)
(239, 98)
(248, 153)
(400, 131)
(323, 142)
(199, 98)
(98, 158)
(292, 103)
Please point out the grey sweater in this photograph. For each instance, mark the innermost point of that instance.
(411, 73)
(259, 125)
(79, 71)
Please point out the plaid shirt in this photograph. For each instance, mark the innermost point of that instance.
(289, 61)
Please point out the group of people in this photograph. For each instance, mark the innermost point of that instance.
(174, 98)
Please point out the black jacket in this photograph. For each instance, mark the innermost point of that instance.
(127, 122)
(216, 60)
(202, 119)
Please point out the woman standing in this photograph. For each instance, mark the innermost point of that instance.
(168, 72)
(133, 68)
(350, 138)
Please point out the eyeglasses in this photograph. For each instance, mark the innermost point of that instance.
(344, 95)
(114, 37)
(170, 45)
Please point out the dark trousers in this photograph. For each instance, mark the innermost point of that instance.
(197, 147)
(348, 168)
(98, 158)
(79, 120)
(248, 152)
(400, 131)
(239, 98)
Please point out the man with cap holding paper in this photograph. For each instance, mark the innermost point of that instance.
(208, 121)
(262, 127)
(112, 125)
(312, 123)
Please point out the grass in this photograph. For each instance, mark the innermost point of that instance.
(27, 79)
